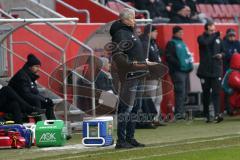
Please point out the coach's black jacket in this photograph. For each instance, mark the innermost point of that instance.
(210, 45)
(129, 54)
(120, 33)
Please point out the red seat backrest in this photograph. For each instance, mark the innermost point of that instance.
(120, 7)
(227, 10)
(202, 8)
(236, 10)
(113, 6)
(211, 11)
(219, 12)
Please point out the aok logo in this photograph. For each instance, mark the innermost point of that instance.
(48, 137)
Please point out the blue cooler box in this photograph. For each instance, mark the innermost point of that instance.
(98, 131)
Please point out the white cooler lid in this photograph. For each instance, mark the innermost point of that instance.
(104, 118)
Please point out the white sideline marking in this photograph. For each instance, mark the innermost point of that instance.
(179, 152)
(161, 146)
(75, 146)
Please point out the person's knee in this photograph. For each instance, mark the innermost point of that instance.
(14, 105)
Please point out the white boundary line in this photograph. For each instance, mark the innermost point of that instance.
(167, 145)
(179, 152)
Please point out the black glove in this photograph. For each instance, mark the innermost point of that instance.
(217, 34)
(49, 102)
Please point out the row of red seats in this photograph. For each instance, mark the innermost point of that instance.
(220, 13)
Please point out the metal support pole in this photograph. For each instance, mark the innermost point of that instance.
(93, 86)
(11, 55)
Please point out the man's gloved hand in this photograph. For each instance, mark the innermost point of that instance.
(49, 102)
(217, 34)
(217, 56)
(151, 63)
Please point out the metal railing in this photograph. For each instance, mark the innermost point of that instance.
(29, 21)
(70, 37)
(31, 12)
(78, 11)
(12, 19)
(48, 9)
(24, 60)
(25, 22)
(53, 44)
(36, 48)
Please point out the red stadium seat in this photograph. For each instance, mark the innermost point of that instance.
(230, 10)
(236, 9)
(219, 12)
(202, 8)
(113, 6)
(227, 10)
(211, 11)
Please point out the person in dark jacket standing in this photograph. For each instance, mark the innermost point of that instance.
(210, 68)
(23, 82)
(154, 54)
(232, 46)
(128, 56)
(152, 49)
(180, 63)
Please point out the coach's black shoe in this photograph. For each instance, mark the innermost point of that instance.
(208, 120)
(123, 145)
(135, 143)
(218, 119)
